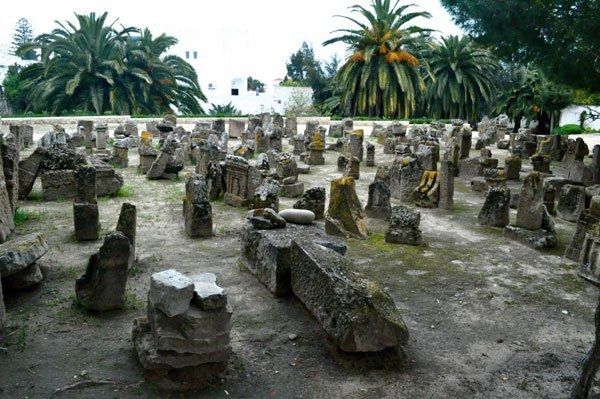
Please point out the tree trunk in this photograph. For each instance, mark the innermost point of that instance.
(590, 364)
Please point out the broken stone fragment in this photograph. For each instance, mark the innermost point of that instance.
(17, 254)
(28, 277)
(207, 294)
(265, 218)
(102, 287)
(171, 292)
(356, 313)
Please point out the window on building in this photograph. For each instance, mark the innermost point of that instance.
(235, 92)
(195, 55)
(211, 86)
(187, 55)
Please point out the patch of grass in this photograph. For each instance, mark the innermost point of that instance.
(132, 301)
(35, 196)
(175, 195)
(134, 271)
(125, 192)
(21, 216)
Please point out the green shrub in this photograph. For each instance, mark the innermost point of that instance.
(567, 130)
(21, 216)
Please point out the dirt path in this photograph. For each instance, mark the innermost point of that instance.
(488, 318)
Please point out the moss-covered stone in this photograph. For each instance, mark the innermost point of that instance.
(345, 215)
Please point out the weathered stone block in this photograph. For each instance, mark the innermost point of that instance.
(266, 253)
(356, 313)
(21, 252)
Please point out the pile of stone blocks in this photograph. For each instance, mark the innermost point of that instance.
(184, 342)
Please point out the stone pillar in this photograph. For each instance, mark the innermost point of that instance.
(120, 155)
(101, 136)
(596, 164)
(355, 144)
(530, 209)
(378, 204)
(353, 168)
(9, 147)
(86, 128)
(496, 208)
(85, 206)
(197, 211)
(512, 167)
(127, 225)
(370, 155)
(446, 179)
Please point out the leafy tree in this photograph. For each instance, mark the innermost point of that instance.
(301, 64)
(461, 81)
(299, 104)
(381, 77)
(559, 36)
(255, 85)
(94, 67)
(533, 96)
(224, 110)
(23, 35)
(14, 91)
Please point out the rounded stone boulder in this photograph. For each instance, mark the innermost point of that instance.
(298, 216)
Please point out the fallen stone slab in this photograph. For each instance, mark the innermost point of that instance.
(171, 292)
(267, 253)
(265, 218)
(17, 254)
(356, 313)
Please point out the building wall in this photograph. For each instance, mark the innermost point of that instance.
(273, 99)
(571, 115)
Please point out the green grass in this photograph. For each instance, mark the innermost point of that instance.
(21, 216)
(35, 196)
(125, 192)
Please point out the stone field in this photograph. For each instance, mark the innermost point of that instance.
(423, 294)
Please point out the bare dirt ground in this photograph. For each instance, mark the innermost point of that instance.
(488, 317)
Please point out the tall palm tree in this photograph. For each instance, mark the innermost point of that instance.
(381, 76)
(95, 67)
(461, 79)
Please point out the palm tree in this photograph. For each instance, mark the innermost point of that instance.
(94, 67)
(381, 76)
(461, 79)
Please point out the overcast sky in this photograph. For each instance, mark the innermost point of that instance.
(232, 37)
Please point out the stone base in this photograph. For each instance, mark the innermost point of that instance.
(291, 190)
(409, 237)
(536, 239)
(192, 371)
(86, 220)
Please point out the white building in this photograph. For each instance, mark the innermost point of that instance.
(224, 82)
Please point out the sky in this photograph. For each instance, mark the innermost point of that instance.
(233, 38)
